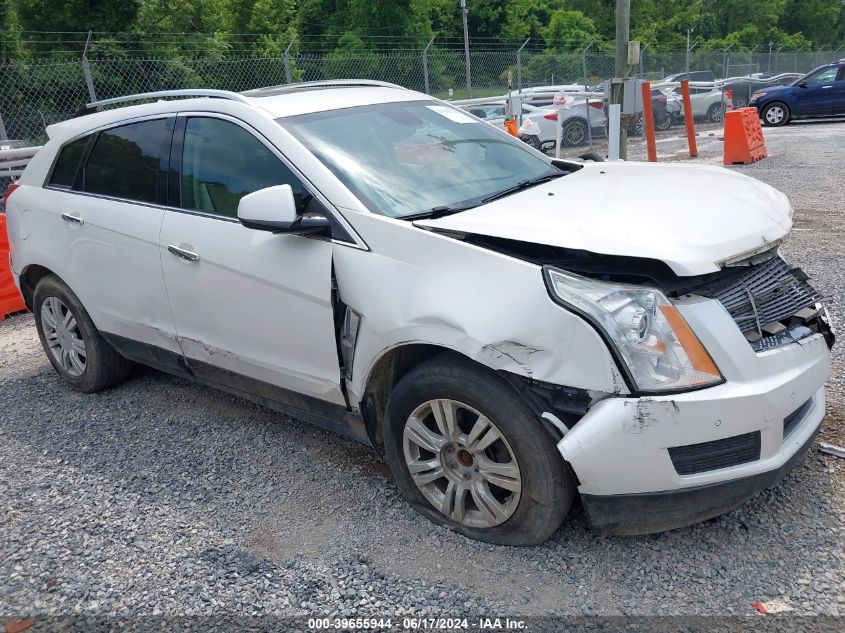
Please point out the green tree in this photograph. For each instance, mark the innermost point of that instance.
(569, 30)
(275, 22)
(821, 21)
(11, 47)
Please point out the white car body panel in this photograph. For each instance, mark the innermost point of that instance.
(130, 300)
(411, 289)
(591, 210)
(277, 322)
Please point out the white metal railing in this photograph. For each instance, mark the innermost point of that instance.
(14, 161)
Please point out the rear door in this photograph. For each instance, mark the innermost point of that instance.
(253, 310)
(816, 95)
(839, 91)
(107, 193)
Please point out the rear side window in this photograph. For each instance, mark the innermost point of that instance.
(222, 162)
(124, 162)
(64, 171)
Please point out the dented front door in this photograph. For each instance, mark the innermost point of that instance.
(252, 309)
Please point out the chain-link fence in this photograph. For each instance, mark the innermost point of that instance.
(34, 95)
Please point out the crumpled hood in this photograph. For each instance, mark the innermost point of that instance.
(692, 217)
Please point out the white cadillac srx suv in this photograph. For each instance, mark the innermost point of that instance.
(513, 330)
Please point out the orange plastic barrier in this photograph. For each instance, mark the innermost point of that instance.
(10, 299)
(744, 142)
(512, 127)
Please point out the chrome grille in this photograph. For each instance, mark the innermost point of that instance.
(764, 300)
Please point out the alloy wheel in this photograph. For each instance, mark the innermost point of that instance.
(716, 114)
(775, 114)
(461, 463)
(63, 337)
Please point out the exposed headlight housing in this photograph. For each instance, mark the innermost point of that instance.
(757, 95)
(654, 344)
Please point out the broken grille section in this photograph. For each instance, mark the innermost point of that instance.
(769, 302)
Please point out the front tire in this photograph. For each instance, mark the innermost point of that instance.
(469, 454)
(73, 345)
(715, 113)
(775, 114)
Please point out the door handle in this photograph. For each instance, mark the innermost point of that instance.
(73, 219)
(188, 256)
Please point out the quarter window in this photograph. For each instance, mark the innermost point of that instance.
(124, 162)
(222, 162)
(64, 171)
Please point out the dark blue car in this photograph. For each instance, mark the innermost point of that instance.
(820, 93)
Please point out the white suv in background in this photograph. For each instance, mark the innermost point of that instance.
(514, 330)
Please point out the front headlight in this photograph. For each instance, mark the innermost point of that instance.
(757, 95)
(652, 339)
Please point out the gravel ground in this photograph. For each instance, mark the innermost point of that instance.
(162, 497)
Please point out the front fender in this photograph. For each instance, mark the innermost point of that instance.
(420, 287)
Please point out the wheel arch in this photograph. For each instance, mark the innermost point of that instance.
(29, 278)
(384, 374)
(569, 404)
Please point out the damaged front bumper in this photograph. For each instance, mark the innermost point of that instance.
(656, 463)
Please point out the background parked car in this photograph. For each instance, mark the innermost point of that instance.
(820, 93)
(743, 87)
(708, 102)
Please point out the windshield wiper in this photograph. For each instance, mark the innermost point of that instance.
(438, 212)
(522, 186)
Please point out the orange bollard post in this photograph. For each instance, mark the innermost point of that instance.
(688, 119)
(648, 123)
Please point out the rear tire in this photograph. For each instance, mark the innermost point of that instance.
(456, 482)
(663, 124)
(73, 345)
(574, 133)
(775, 114)
(715, 113)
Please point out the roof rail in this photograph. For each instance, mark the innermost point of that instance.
(316, 85)
(191, 92)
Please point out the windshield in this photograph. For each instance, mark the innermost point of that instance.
(405, 159)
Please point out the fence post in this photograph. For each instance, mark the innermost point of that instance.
(642, 62)
(288, 73)
(86, 69)
(519, 65)
(725, 61)
(3, 135)
(777, 57)
(795, 58)
(584, 62)
(425, 64)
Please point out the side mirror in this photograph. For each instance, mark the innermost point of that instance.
(802, 84)
(274, 209)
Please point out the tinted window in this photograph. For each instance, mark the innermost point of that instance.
(64, 172)
(222, 162)
(822, 77)
(125, 161)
